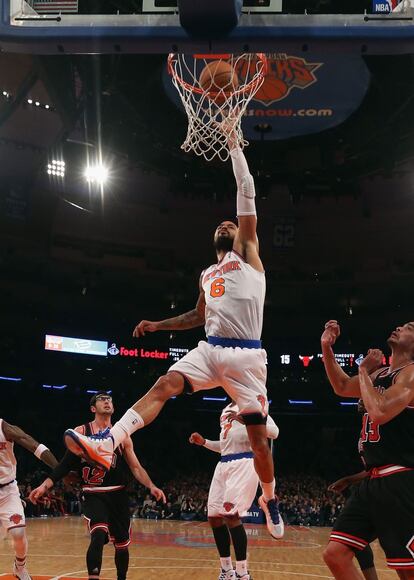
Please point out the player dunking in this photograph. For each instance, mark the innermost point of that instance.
(233, 489)
(382, 505)
(11, 508)
(230, 305)
(106, 505)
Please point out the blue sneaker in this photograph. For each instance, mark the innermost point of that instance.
(274, 521)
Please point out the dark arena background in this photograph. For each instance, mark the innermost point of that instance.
(105, 221)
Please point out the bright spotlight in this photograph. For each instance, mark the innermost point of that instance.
(30, 101)
(96, 174)
(56, 167)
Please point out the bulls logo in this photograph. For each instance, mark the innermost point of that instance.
(284, 73)
(306, 360)
(228, 506)
(16, 519)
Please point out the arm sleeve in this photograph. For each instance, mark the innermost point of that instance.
(213, 445)
(245, 184)
(68, 462)
(272, 430)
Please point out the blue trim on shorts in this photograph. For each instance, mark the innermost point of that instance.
(234, 456)
(234, 342)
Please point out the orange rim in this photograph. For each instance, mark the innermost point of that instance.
(213, 94)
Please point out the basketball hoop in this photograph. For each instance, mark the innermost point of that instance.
(210, 103)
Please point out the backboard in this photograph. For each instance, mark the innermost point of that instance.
(264, 26)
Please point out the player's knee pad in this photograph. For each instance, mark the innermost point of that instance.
(254, 418)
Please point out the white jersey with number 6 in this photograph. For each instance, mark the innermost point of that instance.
(234, 293)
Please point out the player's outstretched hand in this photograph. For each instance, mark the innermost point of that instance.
(196, 439)
(331, 333)
(143, 327)
(340, 485)
(38, 492)
(373, 361)
(158, 494)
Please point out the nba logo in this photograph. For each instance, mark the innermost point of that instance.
(384, 6)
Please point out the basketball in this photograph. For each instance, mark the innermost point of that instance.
(216, 76)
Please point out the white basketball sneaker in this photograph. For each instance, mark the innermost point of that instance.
(274, 521)
(227, 575)
(95, 449)
(21, 573)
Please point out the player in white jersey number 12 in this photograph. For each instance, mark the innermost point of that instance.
(230, 305)
(233, 489)
(11, 509)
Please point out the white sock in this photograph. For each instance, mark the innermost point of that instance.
(241, 567)
(226, 564)
(127, 424)
(268, 490)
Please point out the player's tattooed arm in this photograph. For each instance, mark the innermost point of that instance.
(17, 435)
(384, 405)
(191, 319)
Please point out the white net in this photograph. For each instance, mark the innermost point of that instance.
(215, 90)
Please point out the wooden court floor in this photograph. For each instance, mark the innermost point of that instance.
(173, 550)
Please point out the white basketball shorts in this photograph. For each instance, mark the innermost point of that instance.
(233, 488)
(11, 507)
(241, 372)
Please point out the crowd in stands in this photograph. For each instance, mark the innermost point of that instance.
(304, 500)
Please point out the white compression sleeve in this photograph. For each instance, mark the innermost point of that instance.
(245, 184)
(213, 445)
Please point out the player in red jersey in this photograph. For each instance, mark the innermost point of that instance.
(106, 505)
(381, 505)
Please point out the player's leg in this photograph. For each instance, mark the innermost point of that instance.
(20, 546)
(245, 381)
(13, 520)
(218, 526)
(353, 531)
(365, 559)
(119, 530)
(97, 517)
(393, 495)
(241, 483)
(223, 541)
(191, 373)
(100, 452)
(339, 559)
(239, 540)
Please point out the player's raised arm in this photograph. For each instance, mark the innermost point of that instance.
(17, 435)
(191, 319)
(246, 242)
(342, 384)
